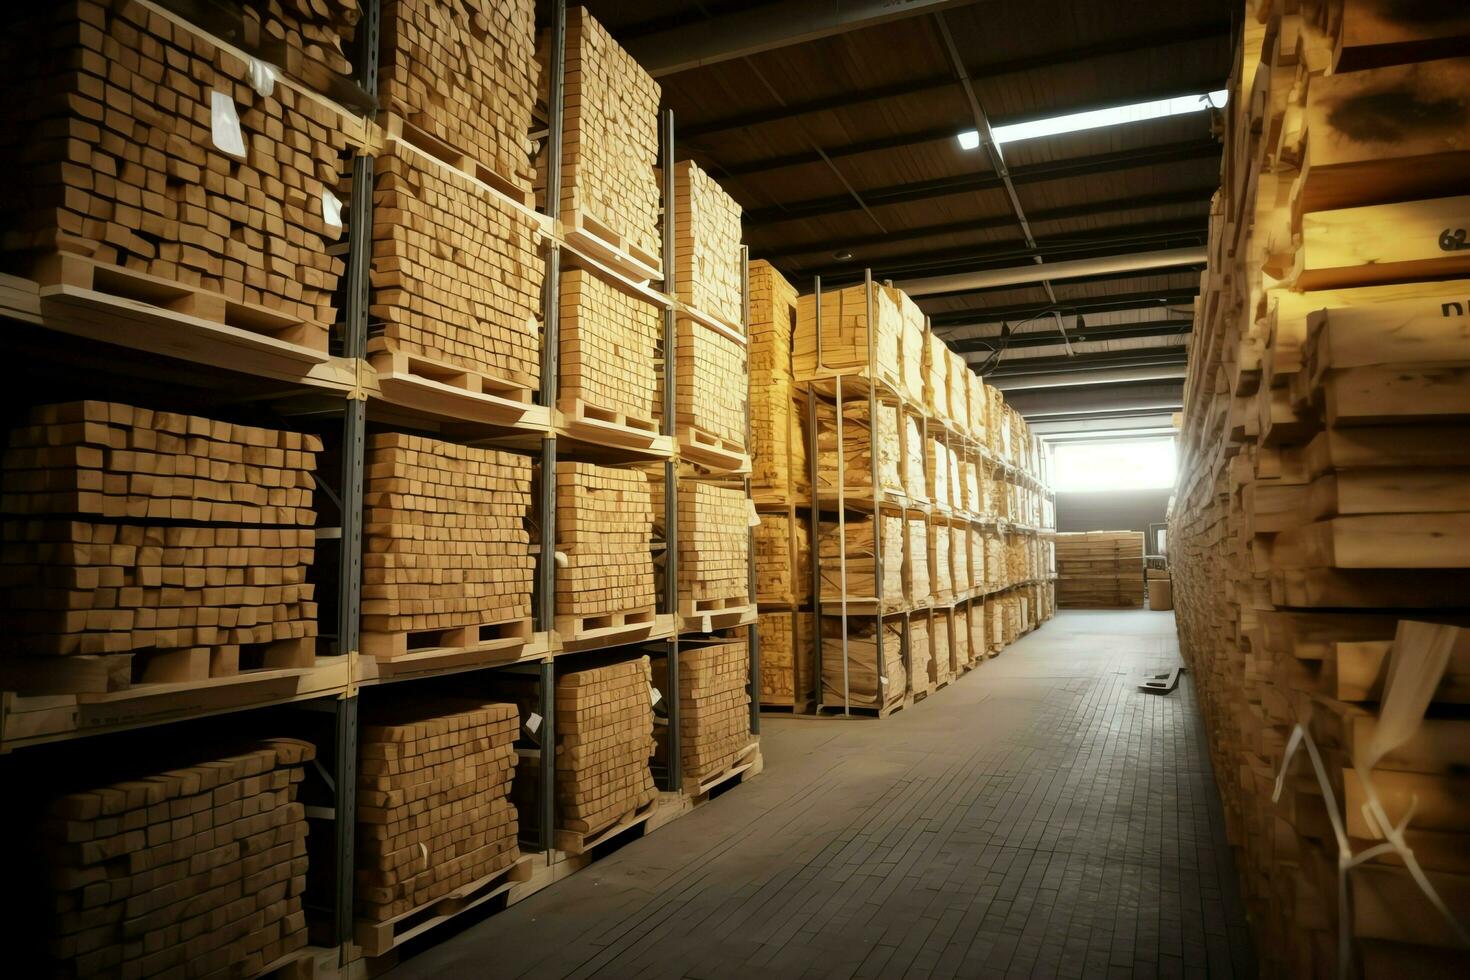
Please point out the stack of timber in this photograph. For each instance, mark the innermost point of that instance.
(303, 37)
(777, 412)
(604, 739)
(939, 473)
(941, 570)
(190, 871)
(462, 74)
(871, 642)
(711, 389)
(936, 379)
(959, 556)
(940, 623)
(786, 662)
(1160, 586)
(144, 546)
(866, 538)
(861, 442)
(847, 333)
(604, 528)
(956, 375)
(1321, 527)
(961, 643)
(979, 399)
(714, 545)
(119, 184)
(434, 813)
(707, 245)
(921, 655)
(1095, 569)
(918, 577)
(609, 177)
(910, 346)
(456, 278)
(609, 339)
(783, 560)
(714, 709)
(446, 550)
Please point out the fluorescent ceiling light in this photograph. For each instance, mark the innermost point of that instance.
(1097, 119)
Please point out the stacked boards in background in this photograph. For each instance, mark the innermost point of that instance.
(1320, 539)
(1099, 569)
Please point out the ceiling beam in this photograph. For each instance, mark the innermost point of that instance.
(1087, 335)
(767, 28)
(1092, 377)
(1147, 299)
(1198, 149)
(1130, 397)
(1016, 275)
(937, 83)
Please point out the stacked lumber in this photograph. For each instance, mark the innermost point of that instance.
(777, 416)
(604, 528)
(970, 499)
(706, 245)
(959, 551)
(445, 543)
(940, 568)
(1096, 569)
(957, 374)
(918, 576)
(979, 407)
(868, 639)
(456, 271)
(921, 654)
(189, 871)
(998, 427)
(861, 441)
(912, 463)
(936, 378)
(119, 165)
(960, 640)
(433, 801)
(161, 541)
(783, 559)
(786, 665)
(463, 73)
(604, 739)
(303, 37)
(609, 341)
(845, 335)
(910, 345)
(979, 631)
(1160, 586)
(1318, 539)
(609, 162)
(712, 382)
(714, 707)
(714, 545)
(861, 558)
(939, 473)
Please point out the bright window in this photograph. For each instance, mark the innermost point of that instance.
(1128, 464)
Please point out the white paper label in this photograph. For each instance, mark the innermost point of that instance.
(331, 210)
(225, 125)
(533, 723)
(755, 517)
(883, 680)
(653, 696)
(262, 78)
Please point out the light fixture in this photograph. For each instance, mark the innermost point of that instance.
(842, 255)
(1076, 122)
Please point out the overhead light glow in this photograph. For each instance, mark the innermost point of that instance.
(1076, 122)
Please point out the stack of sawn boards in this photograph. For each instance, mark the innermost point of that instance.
(1099, 569)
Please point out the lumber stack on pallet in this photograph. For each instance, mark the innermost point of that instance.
(714, 708)
(155, 545)
(941, 570)
(861, 542)
(712, 383)
(786, 662)
(777, 416)
(457, 273)
(714, 545)
(1096, 569)
(120, 167)
(918, 576)
(609, 349)
(445, 541)
(783, 559)
(941, 474)
(1318, 538)
(707, 245)
(463, 73)
(609, 180)
(433, 801)
(604, 528)
(861, 441)
(844, 350)
(190, 871)
(959, 556)
(956, 378)
(979, 398)
(305, 38)
(940, 635)
(868, 639)
(921, 654)
(936, 379)
(910, 346)
(604, 739)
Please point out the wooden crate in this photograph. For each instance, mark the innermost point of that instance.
(860, 559)
(778, 436)
(714, 708)
(783, 559)
(446, 551)
(868, 638)
(604, 528)
(786, 663)
(463, 74)
(457, 274)
(433, 804)
(610, 342)
(707, 245)
(604, 739)
(132, 873)
(119, 169)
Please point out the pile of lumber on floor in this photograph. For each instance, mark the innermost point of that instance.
(120, 163)
(190, 871)
(609, 346)
(777, 415)
(433, 801)
(1095, 569)
(169, 539)
(604, 528)
(714, 707)
(1319, 543)
(604, 739)
(445, 538)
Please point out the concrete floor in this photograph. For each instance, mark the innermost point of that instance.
(1039, 817)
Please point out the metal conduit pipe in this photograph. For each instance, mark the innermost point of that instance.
(1074, 269)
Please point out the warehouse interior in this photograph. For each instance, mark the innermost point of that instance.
(700, 488)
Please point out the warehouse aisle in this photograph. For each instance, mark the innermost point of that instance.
(1039, 817)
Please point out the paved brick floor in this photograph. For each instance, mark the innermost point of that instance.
(1039, 817)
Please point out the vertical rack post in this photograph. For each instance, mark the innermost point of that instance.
(752, 632)
(674, 774)
(841, 533)
(550, 369)
(881, 674)
(814, 467)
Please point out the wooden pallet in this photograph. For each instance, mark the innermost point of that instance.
(419, 651)
(307, 963)
(397, 127)
(454, 392)
(378, 938)
(574, 842)
(582, 633)
(708, 450)
(597, 239)
(747, 763)
(589, 423)
(708, 615)
(871, 712)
